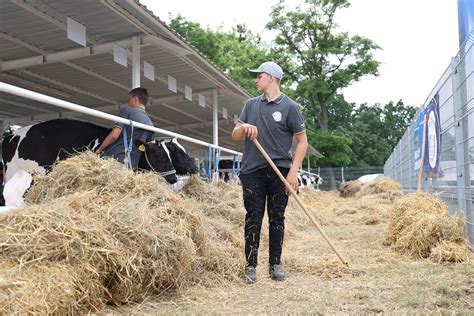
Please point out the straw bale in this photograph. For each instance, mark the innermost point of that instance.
(419, 222)
(349, 188)
(386, 185)
(134, 235)
(449, 251)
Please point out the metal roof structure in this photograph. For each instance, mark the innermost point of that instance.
(36, 54)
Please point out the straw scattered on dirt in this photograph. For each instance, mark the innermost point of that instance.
(328, 267)
(95, 235)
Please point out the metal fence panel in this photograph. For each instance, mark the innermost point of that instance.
(456, 104)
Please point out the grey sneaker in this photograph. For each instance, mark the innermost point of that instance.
(250, 275)
(276, 272)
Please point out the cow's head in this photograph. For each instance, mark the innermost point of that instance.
(180, 159)
(156, 158)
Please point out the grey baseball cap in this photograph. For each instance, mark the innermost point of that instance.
(270, 68)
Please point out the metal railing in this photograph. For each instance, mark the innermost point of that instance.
(342, 174)
(456, 108)
(8, 88)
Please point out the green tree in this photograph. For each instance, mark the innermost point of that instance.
(322, 60)
(205, 40)
(317, 63)
(376, 130)
(368, 147)
(397, 118)
(234, 52)
(335, 148)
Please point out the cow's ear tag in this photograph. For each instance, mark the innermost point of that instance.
(141, 147)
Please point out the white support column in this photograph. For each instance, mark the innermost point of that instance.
(135, 62)
(215, 132)
(215, 121)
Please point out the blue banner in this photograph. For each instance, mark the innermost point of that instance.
(432, 154)
(418, 140)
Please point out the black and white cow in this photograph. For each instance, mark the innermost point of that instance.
(308, 180)
(178, 156)
(37, 147)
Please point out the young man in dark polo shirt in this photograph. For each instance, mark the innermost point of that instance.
(113, 144)
(274, 119)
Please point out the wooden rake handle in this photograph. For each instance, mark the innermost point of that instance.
(293, 193)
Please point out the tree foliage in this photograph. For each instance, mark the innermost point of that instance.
(318, 62)
(323, 60)
(335, 148)
(376, 130)
(234, 52)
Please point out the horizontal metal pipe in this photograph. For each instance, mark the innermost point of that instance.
(8, 88)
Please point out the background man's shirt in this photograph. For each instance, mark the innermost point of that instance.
(117, 149)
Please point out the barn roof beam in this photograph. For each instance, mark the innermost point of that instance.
(59, 84)
(153, 101)
(24, 106)
(99, 49)
(145, 29)
(54, 57)
(30, 8)
(156, 39)
(188, 115)
(75, 53)
(67, 63)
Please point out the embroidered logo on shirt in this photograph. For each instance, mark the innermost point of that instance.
(277, 116)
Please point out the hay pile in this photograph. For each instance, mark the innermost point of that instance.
(383, 187)
(349, 188)
(221, 200)
(100, 234)
(420, 226)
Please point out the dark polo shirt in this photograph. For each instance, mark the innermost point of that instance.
(117, 149)
(277, 121)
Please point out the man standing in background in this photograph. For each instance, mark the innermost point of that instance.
(113, 145)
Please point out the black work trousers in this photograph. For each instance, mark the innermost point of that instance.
(259, 188)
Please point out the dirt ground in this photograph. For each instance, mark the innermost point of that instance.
(392, 283)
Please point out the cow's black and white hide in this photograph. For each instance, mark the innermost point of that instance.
(307, 180)
(37, 147)
(180, 159)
